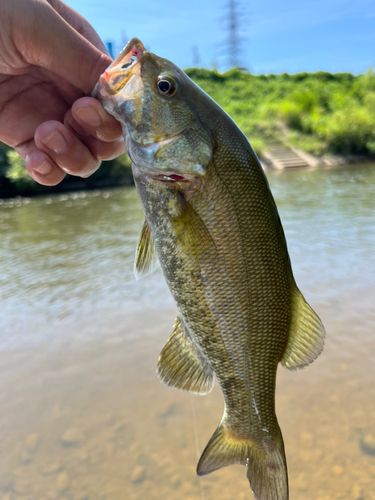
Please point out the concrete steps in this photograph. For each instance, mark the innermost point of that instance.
(281, 157)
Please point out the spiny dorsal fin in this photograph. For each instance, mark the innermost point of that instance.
(306, 336)
(181, 365)
(264, 459)
(146, 260)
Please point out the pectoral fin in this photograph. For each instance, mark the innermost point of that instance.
(182, 366)
(306, 337)
(146, 260)
(193, 235)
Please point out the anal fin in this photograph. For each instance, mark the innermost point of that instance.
(182, 366)
(306, 335)
(146, 260)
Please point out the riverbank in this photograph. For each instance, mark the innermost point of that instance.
(15, 181)
(277, 156)
(269, 159)
(328, 117)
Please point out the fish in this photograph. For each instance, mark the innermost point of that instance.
(212, 225)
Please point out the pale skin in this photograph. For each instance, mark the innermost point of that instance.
(50, 58)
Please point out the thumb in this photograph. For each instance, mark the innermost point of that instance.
(50, 42)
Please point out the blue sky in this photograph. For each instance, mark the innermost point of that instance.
(289, 35)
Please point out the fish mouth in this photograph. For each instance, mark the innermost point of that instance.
(121, 71)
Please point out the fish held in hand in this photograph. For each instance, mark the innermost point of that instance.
(212, 224)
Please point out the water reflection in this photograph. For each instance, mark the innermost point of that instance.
(82, 413)
(70, 255)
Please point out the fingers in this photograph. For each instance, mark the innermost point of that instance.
(90, 114)
(89, 134)
(39, 165)
(41, 168)
(55, 152)
(101, 133)
(47, 40)
(99, 147)
(65, 149)
(75, 147)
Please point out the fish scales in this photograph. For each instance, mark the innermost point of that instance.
(213, 225)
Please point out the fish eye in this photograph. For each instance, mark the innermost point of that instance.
(166, 86)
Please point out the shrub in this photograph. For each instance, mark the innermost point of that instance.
(350, 130)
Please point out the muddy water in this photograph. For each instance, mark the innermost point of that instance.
(82, 414)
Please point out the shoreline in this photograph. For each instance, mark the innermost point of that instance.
(266, 160)
(79, 185)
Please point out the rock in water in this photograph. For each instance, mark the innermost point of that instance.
(367, 444)
(72, 437)
(62, 482)
(32, 441)
(139, 475)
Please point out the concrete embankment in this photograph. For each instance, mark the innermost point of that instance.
(280, 157)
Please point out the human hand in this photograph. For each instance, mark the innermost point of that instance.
(50, 57)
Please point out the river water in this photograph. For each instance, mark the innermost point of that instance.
(82, 414)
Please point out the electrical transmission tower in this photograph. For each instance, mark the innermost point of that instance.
(196, 56)
(233, 34)
(235, 20)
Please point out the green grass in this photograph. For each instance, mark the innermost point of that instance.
(316, 112)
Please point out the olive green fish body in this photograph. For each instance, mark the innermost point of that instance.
(231, 291)
(213, 225)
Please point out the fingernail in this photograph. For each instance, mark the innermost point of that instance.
(56, 142)
(89, 116)
(44, 168)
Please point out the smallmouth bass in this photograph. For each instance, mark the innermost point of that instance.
(213, 225)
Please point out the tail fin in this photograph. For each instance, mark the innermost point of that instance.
(265, 461)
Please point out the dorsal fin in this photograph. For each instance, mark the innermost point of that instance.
(306, 336)
(182, 366)
(146, 260)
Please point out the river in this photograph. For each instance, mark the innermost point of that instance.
(82, 414)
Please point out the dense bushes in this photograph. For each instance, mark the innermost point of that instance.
(317, 112)
(14, 179)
